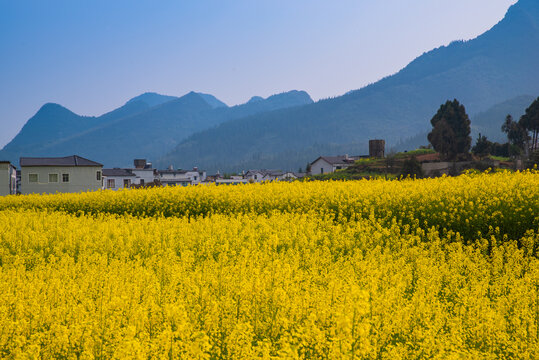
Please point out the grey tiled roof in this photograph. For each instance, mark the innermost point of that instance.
(266, 172)
(73, 160)
(117, 172)
(341, 159)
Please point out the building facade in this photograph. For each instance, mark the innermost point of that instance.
(330, 164)
(68, 174)
(173, 177)
(264, 175)
(116, 179)
(8, 178)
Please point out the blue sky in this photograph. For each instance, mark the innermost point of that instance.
(92, 56)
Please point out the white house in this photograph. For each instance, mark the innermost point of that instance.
(181, 177)
(115, 179)
(62, 174)
(289, 176)
(143, 172)
(330, 164)
(8, 178)
(264, 175)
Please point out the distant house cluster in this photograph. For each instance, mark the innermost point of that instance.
(143, 174)
(74, 173)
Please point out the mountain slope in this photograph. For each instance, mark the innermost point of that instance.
(500, 64)
(134, 130)
(152, 99)
(489, 122)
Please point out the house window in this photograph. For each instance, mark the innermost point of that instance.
(65, 178)
(321, 170)
(256, 177)
(127, 183)
(33, 178)
(98, 176)
(111, 183)
(339, 167)
(53, 178)
(142, 182)
(195, 178)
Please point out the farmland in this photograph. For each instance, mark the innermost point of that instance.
(431, 268)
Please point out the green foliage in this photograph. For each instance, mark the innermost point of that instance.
(415, 152)
(450, 135)
(482, 147)
(530, 122)
(516, 134)
(412, 168)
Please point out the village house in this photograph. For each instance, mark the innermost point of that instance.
(142, 174)
(60, 174)
(115, 179)
(171, 177)
(8, 178)
(263, 175)
(330, 164)
(290, 176)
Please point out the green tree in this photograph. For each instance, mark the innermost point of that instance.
(517, 135)
(412, 167)
(530, 122)
(450, 135)
(482, 146)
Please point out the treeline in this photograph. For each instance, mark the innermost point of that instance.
(450, 135)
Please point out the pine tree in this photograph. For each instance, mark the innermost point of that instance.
(450, 134)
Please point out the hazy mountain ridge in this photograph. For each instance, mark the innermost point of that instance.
(136, 129)
(500, 64)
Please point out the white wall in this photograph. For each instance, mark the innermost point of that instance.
(118, 182)
(319, 165)
(8, 179)
(81, 178)
(143, 174)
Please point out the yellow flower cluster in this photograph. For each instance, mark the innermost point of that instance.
(441, 268)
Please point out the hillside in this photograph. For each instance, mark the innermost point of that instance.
(499, 65)
(147, 126)
(489, 122)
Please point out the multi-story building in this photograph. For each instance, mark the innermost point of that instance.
(61, 174)
(8, 178)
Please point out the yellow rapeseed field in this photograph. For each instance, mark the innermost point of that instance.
(442, 268)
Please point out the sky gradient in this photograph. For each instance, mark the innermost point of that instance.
(92, 56)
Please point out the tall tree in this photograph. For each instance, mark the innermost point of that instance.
(450, 134)
(482, 147)
(530, 121)
(517, 135)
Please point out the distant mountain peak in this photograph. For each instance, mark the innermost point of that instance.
(51, 109)
(152, 99)
(255, 99)
(295, 95)
(212, 100)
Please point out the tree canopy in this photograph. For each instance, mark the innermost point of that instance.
(450, 135)
(530, 122)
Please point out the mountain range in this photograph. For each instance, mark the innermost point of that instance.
(492, 75)
(147, 126)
